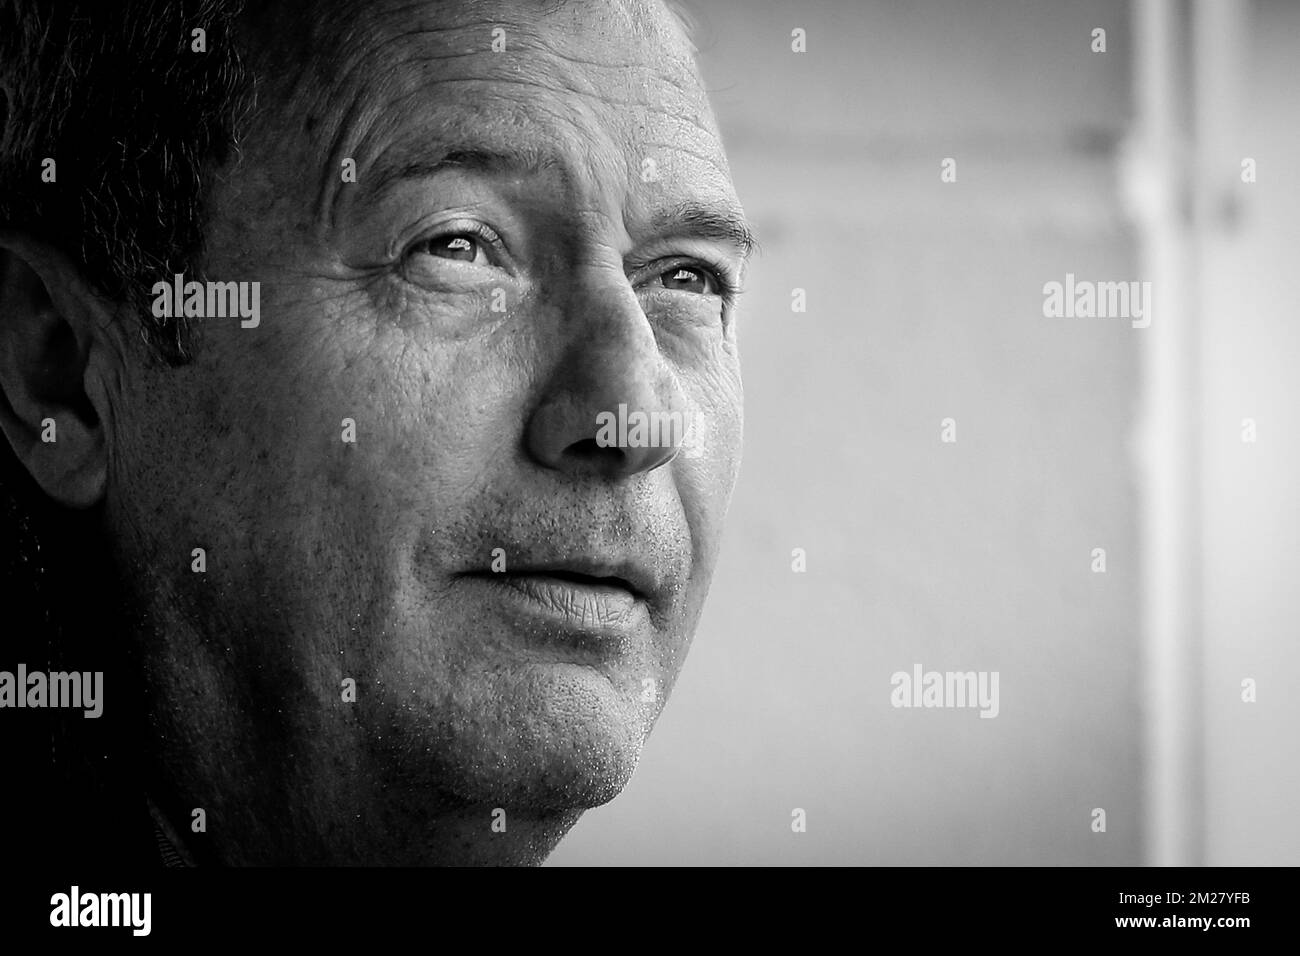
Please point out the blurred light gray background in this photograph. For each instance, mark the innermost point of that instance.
(925, 302)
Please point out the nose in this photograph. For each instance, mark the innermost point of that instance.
(613, 406)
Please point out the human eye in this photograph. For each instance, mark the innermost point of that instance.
(698, 278)
(455, 247)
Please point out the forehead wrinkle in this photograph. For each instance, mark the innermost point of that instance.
(685, 81)
(361, 86)
(369, 109)
(716, 160)
(680, 74)
(477, 43)
(369, 113)
(696, 121)
(512, 127)
(545, 75)
(409, 160)
(459, 131)
(652, 22)
(345, 136)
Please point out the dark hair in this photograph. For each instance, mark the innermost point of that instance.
(134, 118)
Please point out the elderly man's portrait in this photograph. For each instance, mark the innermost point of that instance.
(371, 486)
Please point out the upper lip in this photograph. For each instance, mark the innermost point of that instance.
(629, 574)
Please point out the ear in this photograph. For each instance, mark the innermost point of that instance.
(60, 362)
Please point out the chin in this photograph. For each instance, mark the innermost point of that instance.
(546, 739)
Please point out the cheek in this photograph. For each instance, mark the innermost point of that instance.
(436, 416)
(705, 471)
(290, 452)
(717, 391)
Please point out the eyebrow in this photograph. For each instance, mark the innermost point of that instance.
(521, 159)
(692, 217)
(719, 223)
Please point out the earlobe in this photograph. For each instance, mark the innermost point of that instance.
(54, 407)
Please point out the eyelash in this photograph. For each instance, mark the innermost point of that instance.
(729, 289)
(476, 229)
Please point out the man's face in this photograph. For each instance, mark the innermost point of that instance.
(526, 245)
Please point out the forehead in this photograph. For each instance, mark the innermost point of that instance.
(595, 92)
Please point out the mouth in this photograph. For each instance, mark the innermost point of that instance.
(581, 603)
(582, 573)
(597, 583)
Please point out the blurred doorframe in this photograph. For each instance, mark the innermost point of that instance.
(1187, 78)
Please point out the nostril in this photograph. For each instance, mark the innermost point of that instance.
(586, 449)
(561, 436)
(589, 456)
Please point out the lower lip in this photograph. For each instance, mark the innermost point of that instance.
(592, 615)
